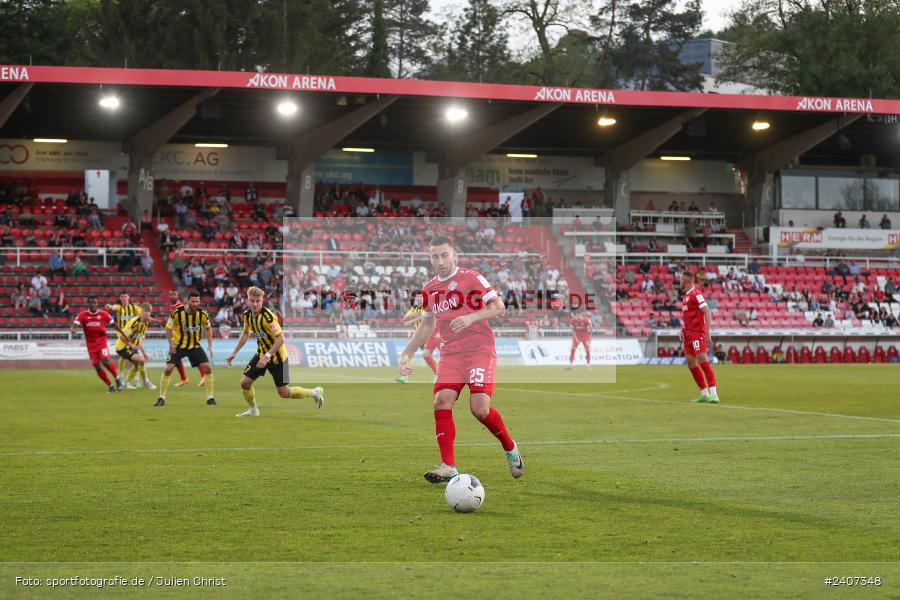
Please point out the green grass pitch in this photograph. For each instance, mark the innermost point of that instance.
(629, 491)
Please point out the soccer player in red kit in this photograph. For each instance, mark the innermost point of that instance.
(581, 335)
(175, 302)
(695, 333)
(459, 302)
(93, 322)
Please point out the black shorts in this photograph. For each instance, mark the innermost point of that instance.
(280, 372)
(126, 353)
(197, 356)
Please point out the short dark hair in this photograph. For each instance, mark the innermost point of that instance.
(193, 294)
(440, 240)
(89, 298)
(687, 274)
(124, 292)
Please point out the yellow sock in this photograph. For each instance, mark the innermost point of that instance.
(131, 373)
(210, 384)
(143, 371)
(299, 392)
(120, 368)
(164, 385)
(249, 396)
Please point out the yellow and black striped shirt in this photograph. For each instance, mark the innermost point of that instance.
(124, 313)
(266, 329)
(135, 330)
(415, 311)
(188, 328)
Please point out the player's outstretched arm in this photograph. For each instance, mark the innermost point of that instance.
(237, 347)
(420, 335)
(707, 320)
(209, 339)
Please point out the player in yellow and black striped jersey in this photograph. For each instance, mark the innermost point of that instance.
(185, 329)
(261, 323)
(131, 346)
(122, 312)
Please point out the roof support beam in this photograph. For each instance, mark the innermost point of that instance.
(452, 189)
(762, 166)
(12, 101)
(619, 161)
(145, 143)
(305, 148)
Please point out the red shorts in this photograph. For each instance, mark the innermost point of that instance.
(433, 341)
(460, 370)
(98, 353)
(581, 338)
(694, 346)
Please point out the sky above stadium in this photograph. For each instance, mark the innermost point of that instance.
(714, 11)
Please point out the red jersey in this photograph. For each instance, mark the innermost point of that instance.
(692, 307)
(580, 324)
(94, 326)
(462, 293)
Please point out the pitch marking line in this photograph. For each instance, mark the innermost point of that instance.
(616, 396)
(525, 443)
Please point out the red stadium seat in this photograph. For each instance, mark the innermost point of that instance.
(863, 355)
(835, 354)
(892, 354)
(747, 356)
(762, 356)
(849, 355)
(734, 356)
(821, 357)
(790, 356)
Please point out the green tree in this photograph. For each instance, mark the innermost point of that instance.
(377, 60)
(410, 36)
(651, 35)
(816, 47)
(477, 48)
(45, 32)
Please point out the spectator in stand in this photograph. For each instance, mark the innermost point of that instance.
(741, 316)
(818, 321)
(839, 221)
(78, 267)
(650, 205)
(181, 212)
(19, 297)
(628, 277)
(146, 221)
(885, 223)
(647, 286)
(754, 269)
(94, 221)
(644, 266)
(693, 207)
(827, 287)
(34, 304)
(147, 264)
(864, 223)
(201, 194)
(652, 247)
(6, 238)
(38, 281)
(712, 207)
(57, 265)
(752, 315)
(673, 207)
(250, 194)
(890, 288)
(829, 321)
(61, 306)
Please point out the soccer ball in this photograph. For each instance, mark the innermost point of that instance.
(464, 493)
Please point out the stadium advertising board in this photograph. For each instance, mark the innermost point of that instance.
(811, 238)
(548, 172)
(604, 351)
(184, 161)
(348, 353)
(411, 87)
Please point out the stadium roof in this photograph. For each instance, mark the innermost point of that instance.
(63, 103)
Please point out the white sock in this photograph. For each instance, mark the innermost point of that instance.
(712, 391)
(704, 392)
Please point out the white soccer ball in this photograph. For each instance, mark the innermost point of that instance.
(464, 493)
